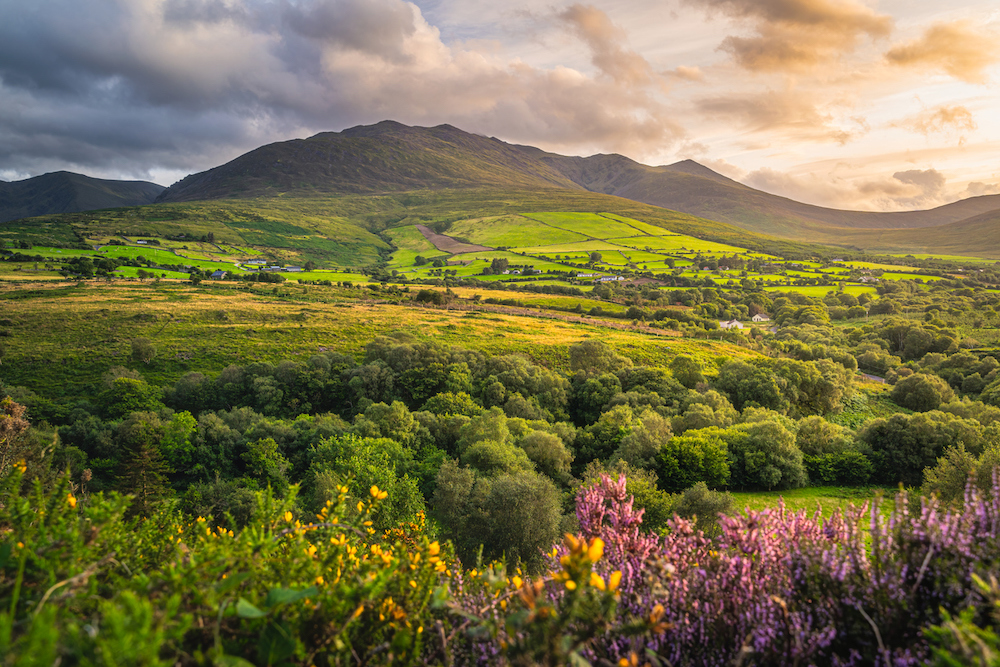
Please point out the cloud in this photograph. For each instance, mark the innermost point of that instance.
(791, 113)
(114, 87)
(940, 119)
(797, 35)
(929, 181)
(978, 189)
(903, 191)
(605, 41)
(685, 73)
(958, 48)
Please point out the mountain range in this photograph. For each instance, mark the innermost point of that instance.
(66, 192)
(391, 158)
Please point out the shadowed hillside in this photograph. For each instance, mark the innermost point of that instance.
(66, 192)
(387, 157)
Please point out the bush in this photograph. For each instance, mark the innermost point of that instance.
(847, 468)
(763, 455)
(921, 392)
(696, 456)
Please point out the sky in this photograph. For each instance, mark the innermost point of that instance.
(860, 104)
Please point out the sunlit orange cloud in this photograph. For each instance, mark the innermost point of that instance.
(900, 180)
(797, 35)
(958, 48)
(790, 114)
(943, 118)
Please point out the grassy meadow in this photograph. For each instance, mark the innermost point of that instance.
(63, 335)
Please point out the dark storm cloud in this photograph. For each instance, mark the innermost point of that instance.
(125, 86)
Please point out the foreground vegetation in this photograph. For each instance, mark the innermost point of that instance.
(80, 582)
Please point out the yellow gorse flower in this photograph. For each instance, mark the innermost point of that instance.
(71, 500)
(596, 550)
(377, 494)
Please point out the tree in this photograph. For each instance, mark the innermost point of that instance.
(549, 453)
(143, 350)
(143, 470)
(763, 455)
(687, 371)
(697, 456)
(904, 445)
(265, 463)
(640, 447)
(127, 395)
(595, 257)
(515, 516)
(921, 392)
(492, 458)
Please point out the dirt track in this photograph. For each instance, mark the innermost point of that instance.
(448, 244)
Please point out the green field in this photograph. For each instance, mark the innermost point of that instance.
(592, 225)
(410, 243)
(820, 290)
(512, 231)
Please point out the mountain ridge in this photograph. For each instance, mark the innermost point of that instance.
(391, 157)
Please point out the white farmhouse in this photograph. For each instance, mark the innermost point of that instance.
(731, 324)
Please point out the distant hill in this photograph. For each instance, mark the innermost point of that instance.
(697, 190)
(66, 192)
(389, 157)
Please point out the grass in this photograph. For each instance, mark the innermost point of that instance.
(820, 290)
(826, 499)
(410, 244)
(65, 335)
(511, 231)
(592, 225)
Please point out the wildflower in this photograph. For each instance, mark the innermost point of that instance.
(320, 581)
(434, 548)
(377, 494)
(596, 550)
(596, 581)
(71, 500)
(614, 580)
(288, 517)
(571, 585)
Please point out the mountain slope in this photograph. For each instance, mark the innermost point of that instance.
(387, 157)
(66, 192)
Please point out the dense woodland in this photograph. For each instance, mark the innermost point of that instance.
(466, 468)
